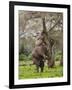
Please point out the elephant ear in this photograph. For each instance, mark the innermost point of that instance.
(38, 42)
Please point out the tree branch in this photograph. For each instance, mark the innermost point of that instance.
(55, 24)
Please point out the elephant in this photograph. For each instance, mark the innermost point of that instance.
(39, 54)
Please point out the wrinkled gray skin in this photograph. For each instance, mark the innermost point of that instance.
(38, 55)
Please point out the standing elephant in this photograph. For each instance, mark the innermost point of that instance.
(40, 52)
(38, 56)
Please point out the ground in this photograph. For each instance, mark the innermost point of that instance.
(29, 72)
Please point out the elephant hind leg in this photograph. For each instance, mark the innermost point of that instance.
(42, 65)
(42, 68)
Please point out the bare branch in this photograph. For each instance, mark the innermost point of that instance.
(55, 24)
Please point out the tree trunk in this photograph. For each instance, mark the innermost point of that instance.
(50, 42)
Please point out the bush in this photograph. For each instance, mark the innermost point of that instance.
(22, 57)
(58, 55)
(30, 56)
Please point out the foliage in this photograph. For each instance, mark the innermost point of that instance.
(58, 55)
(25, 57)
(22, 49)
(22, 57)
(30, 56)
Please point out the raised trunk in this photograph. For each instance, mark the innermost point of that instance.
(50, 44)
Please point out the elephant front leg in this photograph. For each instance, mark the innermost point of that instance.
(42, 68)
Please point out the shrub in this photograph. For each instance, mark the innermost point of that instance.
(58, 55)
(30, 56)
(22, 57)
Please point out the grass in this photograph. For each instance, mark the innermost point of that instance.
(29, 72)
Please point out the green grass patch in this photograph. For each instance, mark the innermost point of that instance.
(29, 72)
